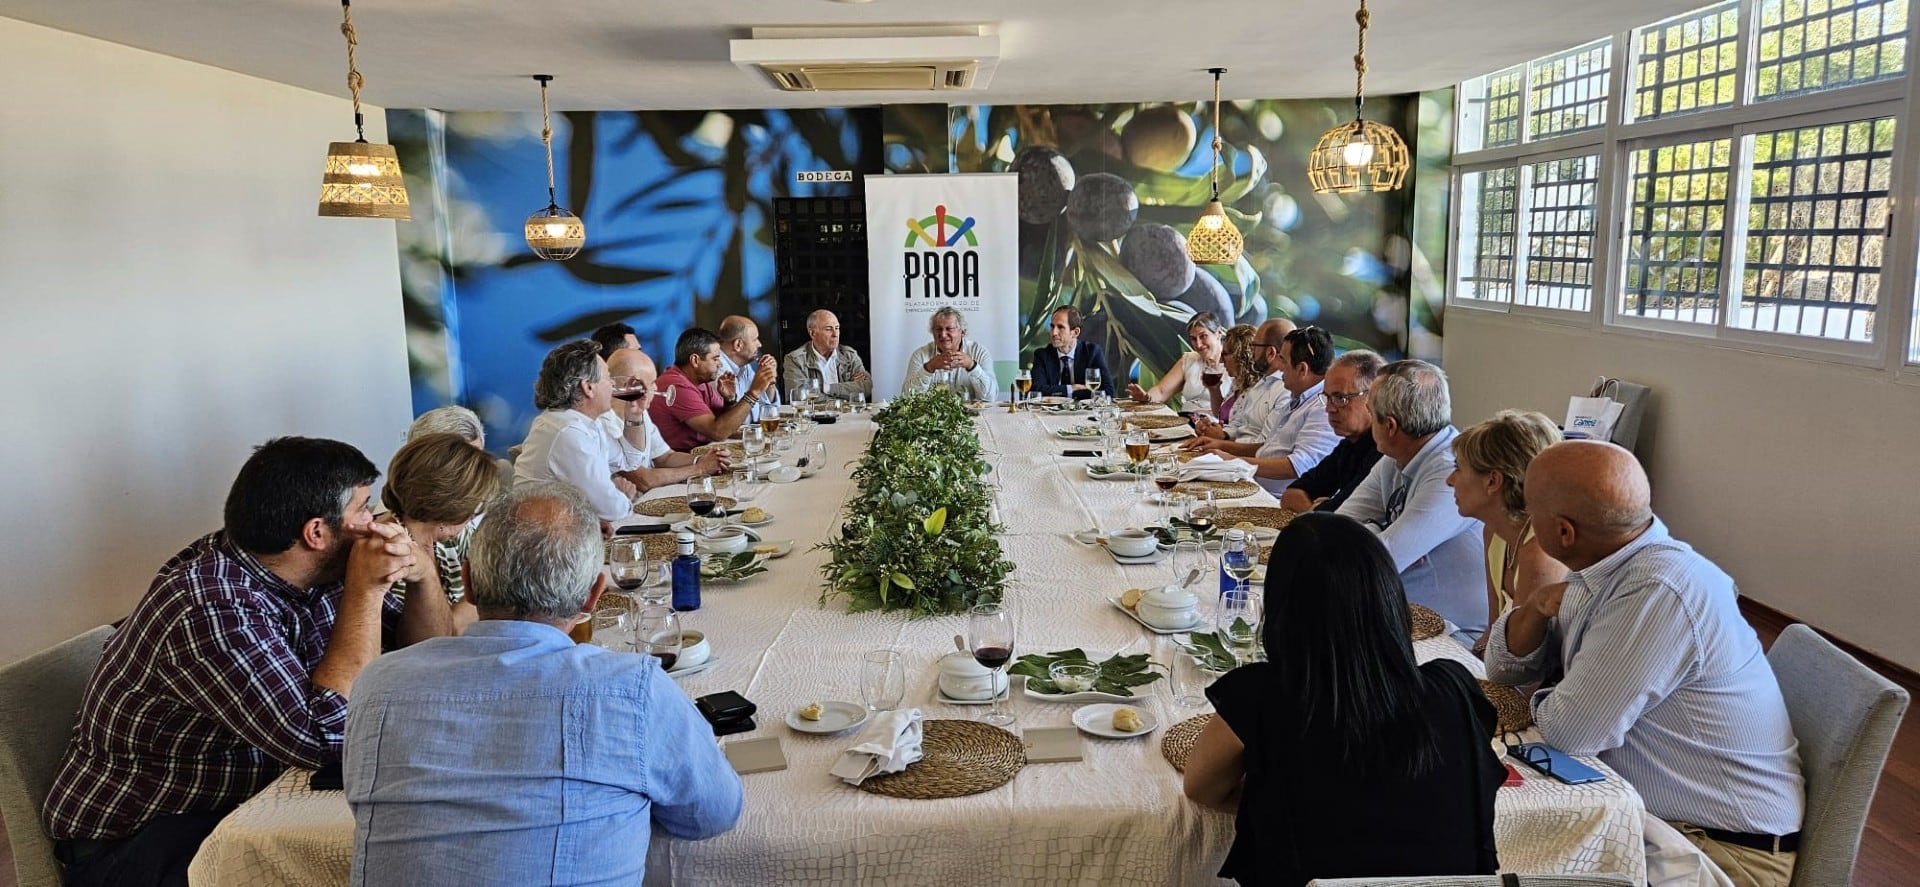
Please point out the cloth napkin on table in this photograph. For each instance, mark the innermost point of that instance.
(1209, 466)
(889, 744)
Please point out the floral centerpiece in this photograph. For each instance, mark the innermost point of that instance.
(919, 533)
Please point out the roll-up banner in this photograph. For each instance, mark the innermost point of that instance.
(937, 241)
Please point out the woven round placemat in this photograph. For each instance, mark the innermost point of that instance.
(1515, 714)
(736, 450)
(1177, 743)
(1426, 623)
(1155, 421)
(1222, 489)
(1134, 406)
(658, 546)
(1257, 515)
(666, 505)
(957, 758)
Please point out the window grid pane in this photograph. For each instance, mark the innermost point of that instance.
(1816, 229)
(1487, 215)
(1569, 90)
(1503, 108)
(1676, 229)
(1560, 233)
(1686, 63)
(1812, 45)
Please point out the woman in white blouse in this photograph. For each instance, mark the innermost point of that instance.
(1205, 333)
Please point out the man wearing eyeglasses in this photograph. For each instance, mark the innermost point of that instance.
(1251, 411)
(1327, 485)
(1405, 498)
(688, 415)
(1296, 434)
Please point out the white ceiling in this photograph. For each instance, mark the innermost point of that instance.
(642, 54)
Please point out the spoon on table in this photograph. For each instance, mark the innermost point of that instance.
(1191, 575)
(960, 643)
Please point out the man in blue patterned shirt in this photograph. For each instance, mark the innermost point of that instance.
(511, 755)
(1663, 678)
(235, 665)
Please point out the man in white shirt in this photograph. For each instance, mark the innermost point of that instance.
(1255, 405)
(837, 369)
(660, 465)
(952, 359)
(566, 442)
(1297, 434)
(740, 357)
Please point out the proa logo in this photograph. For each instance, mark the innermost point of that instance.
(942, 259)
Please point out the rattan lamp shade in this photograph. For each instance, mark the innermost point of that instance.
(1214, 240)
(555, 234)
(1361, 156)
(362, 181)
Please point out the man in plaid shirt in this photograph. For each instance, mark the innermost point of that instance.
(236, 664)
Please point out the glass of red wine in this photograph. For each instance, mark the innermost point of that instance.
(629, 388)
(656, 633)
(990, 637)
(701, 500)
(627, 563)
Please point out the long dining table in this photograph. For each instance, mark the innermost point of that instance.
(1117, 816)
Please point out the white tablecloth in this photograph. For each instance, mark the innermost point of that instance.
(1116, 817)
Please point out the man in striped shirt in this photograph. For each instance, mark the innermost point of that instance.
(236, 664)
(1663, 678)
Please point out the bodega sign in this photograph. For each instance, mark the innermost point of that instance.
(938, 241)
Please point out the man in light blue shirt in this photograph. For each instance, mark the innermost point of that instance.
(1663, 678)
(1406, 498)
(510, 755)
(740, 356)
(1296, 433)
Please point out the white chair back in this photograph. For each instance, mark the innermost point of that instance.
(39, 702)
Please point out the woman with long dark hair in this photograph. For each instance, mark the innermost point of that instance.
(1341, 756)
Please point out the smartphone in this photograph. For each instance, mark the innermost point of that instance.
(1083, 453)
(1556, 763)
(642, 529)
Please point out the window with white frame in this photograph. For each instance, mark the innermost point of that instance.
(1748, 187)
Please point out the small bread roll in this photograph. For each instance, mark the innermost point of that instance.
(766, 549)
(812, 712)
(1126, 720)
(1131, 597)
(753, 515)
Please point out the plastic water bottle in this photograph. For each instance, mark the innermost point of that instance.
(686, 574)
(1236, 562)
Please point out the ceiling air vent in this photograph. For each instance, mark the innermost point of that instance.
(883, 59)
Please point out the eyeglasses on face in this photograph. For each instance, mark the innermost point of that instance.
(1341, 399)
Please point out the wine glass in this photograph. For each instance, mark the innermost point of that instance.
(753, 439)
(883, 678)
(1237, 558)
(813, 456)
(1023, 383)
(656, 632)
(627, 563)
(1204, 515)
(1166, 473)
(1187, 555)
(656, 583)
(722, 492)
(701, 500)
(1093, 385)
(1239, 622)
(1138, 447)
(747, 484)
(990, 637)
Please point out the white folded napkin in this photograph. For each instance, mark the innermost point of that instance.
(1209, 466)
(890, 743)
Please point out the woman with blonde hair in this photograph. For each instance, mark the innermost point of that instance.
(1204, 333)
(1243, 366)
(1489, 484)
(437, 486)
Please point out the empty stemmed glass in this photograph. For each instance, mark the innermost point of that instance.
(656, 582)
(990, 637)
(656, 632)
(753, 441)
(883, 679)
(1239, 622)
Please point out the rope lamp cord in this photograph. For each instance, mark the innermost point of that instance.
(1215, 171)
(546, 133)
(354, 80)
(1364, 18)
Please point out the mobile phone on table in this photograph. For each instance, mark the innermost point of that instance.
(1081, 453)
(1556, 763)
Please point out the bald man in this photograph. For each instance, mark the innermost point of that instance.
(740, 359)
(1664, 680)
(656, 464)
(836, 368)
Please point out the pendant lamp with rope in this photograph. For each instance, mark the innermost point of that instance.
(362, 180)
(1362, 156)
(1214, 240)
(553, 233)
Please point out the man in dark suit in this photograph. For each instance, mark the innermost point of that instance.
(1060, 369)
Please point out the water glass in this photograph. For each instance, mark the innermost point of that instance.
(656, 583)
(611, 629)
(1189, 680)
(1238, 620)
(883, 678)
(859, 401)
(747, 484)
(1188, 555)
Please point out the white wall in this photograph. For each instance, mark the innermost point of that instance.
(168, 300)
(1800, 478)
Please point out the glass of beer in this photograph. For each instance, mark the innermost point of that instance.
(1137, 446)
(1023, 382)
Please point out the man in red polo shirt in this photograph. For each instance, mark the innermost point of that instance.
(688, 415)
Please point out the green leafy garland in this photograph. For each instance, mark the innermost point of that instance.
(919, 533)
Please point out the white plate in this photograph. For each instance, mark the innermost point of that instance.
(758, 560)
(681, 672)
(1078, 432)
(783, 547)
(1113, 475)
(1149, 626)
(1097, 720)
(1083, 696)
(834, 717)
(1171, 432)
(1153, 558)
(758, 523)
(940, 695)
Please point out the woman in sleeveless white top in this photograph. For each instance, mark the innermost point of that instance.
(1489, 473)
(1204, 332)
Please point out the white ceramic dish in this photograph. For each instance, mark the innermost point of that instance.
(785, 474)
(1084, 696)
(1154, 558)
(940, 695)
(756, 523)
(708, 574)
(1132, 542)
(1115, 601)
(782, 547)
(1172, 432)
(1113, 474)
(1097, 720)
(730, 539)
(1078, 432)
(834, 717)
(694, 649)
(681, 671)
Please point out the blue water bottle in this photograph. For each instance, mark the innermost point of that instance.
(686, 575)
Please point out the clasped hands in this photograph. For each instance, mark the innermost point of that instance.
(950, 360)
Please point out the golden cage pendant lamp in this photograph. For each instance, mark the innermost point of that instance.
(1214, 240)
(1361, 156)
(553, 233)
(361, 180)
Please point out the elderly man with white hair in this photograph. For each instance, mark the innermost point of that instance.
(1405, 498)
(952, 359)
(836, 368)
